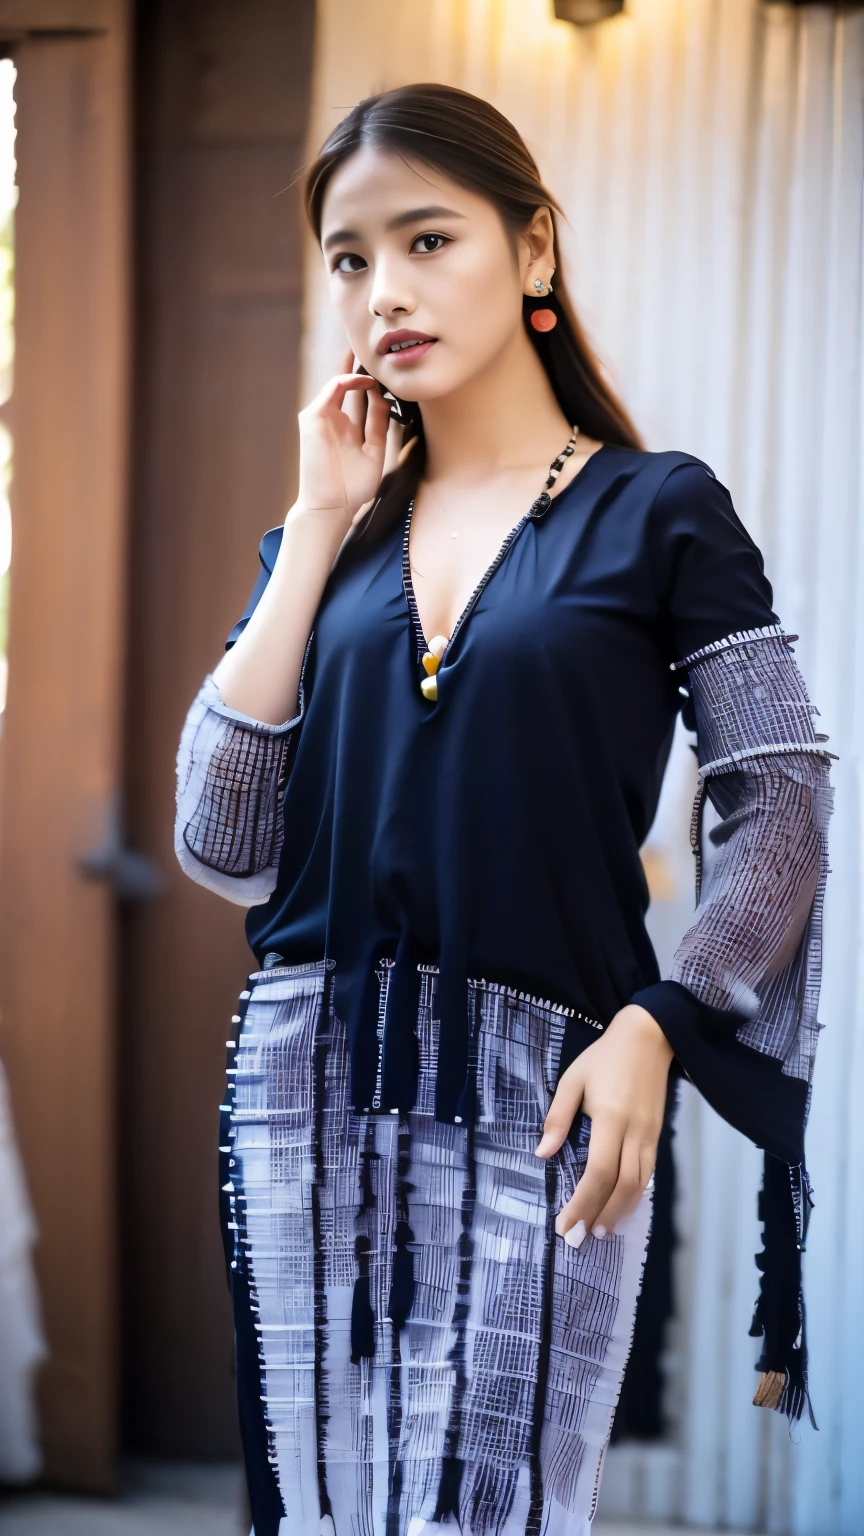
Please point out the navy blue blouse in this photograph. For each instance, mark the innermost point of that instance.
(495, 832)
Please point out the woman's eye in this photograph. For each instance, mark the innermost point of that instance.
(429, 249)
(347, 256)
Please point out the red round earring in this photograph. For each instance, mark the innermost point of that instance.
(544, 319)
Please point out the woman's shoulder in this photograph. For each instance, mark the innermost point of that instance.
(676, 495)
(707, 570)
(669, 471)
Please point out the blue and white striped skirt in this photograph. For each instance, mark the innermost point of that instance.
(416, 1348)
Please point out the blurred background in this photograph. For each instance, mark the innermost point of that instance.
(163, 316)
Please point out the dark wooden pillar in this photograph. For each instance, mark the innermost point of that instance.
(223, 94)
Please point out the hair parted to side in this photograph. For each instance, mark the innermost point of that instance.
(475, 145)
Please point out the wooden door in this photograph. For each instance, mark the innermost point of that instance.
(61, 731)
(223, 95)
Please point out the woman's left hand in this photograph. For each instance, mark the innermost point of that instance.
(620, 1081)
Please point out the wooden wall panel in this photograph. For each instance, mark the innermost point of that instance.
(223, 95)
(61, 736)
(32, 16)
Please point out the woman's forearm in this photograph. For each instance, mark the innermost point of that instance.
(260, 675)
(343, 442)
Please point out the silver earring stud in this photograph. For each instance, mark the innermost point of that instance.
(542, 288)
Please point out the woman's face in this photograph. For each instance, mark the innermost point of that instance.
(409, 250)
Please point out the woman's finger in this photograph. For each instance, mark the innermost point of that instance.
(354, 407)
(331, 394)
(627, 1192)
(377, 421)
(597, 1182)
(562, 1111)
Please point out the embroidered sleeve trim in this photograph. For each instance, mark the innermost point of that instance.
(740, 637)
(770, 749)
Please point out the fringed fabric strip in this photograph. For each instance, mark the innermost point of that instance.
(754, 947)
(230, 774)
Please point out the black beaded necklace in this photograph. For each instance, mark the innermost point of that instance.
(431, 653)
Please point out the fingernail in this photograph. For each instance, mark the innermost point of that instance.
(599, 1230)
(559, 1223)
(577, 1235)
(544, 1142)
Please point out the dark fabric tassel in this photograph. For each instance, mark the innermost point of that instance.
(402, 1281)
(452, 1466)
(784, 1209)
(639, 1414)
(370, 1199)
(534, 1522)
(449, 1488)
(402, 1273)
(362, 1316)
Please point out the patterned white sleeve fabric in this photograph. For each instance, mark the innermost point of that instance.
(755, 943)
(230, 773)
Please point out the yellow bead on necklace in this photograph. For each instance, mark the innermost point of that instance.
(431, 660)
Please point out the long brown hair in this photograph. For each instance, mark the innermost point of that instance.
(475, 145)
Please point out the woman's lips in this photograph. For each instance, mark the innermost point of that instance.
(409, 354)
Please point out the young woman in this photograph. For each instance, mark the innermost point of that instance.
(427, 763)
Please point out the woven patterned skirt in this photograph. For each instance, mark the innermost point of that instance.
(416, 1348)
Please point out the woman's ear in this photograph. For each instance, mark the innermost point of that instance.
(538, 246)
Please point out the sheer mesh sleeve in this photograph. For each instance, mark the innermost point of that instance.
(754, 947)
(231, 770)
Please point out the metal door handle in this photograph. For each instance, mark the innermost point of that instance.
(133, 876)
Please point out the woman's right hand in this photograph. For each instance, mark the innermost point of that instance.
(342, 450)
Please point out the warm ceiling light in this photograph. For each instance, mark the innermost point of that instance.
(583, 12)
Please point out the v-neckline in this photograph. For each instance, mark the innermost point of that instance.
(538, 508)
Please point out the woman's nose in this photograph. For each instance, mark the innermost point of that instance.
(388, 297)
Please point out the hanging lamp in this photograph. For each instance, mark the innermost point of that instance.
(584, 12)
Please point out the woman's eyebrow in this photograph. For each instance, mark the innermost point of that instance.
(434, 211)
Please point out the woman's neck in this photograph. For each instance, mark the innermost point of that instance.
(504, 419)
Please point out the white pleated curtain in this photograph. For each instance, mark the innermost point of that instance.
(710, 155)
